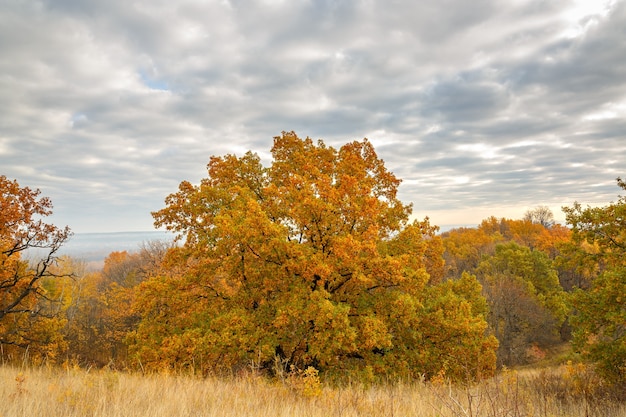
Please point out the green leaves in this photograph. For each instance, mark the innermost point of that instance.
(527, 302)
(600, 319)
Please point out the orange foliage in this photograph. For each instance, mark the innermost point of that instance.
(27, 319)
(310, 262)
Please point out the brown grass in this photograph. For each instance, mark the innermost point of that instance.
(73, 392)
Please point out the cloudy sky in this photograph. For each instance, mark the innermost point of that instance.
(483, 107)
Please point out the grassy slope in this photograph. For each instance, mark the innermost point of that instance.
(53, 392)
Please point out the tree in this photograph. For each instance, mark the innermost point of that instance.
(524, 232)
(21, 290)
(308, 262)
(600, 319)
(465, 248)
(527, 303)
(100, 316)
(551, 241)
(540, 215)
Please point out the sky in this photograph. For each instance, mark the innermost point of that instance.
(482, 108)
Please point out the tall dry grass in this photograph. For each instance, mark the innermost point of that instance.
(54, 392)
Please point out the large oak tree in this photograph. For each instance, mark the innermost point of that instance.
(311, 261)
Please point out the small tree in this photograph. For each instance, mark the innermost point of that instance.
(527, 303)
(23, 299)
(541, 215)
(600, 319)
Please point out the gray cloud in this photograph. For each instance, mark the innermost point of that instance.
(482, 108)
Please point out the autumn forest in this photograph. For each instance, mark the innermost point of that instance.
(312, 264)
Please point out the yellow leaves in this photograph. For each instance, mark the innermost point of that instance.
(452, 329)
(310, 260)
(282, 319)
(305, 382)
(347, 249)
(405, 310)
(374, 333)
(332, 332)
(582, 380)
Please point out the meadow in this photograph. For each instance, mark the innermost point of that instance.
(569, 390)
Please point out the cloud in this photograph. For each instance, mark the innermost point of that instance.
(480, 107)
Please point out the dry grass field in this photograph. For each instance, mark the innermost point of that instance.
(53, 392)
